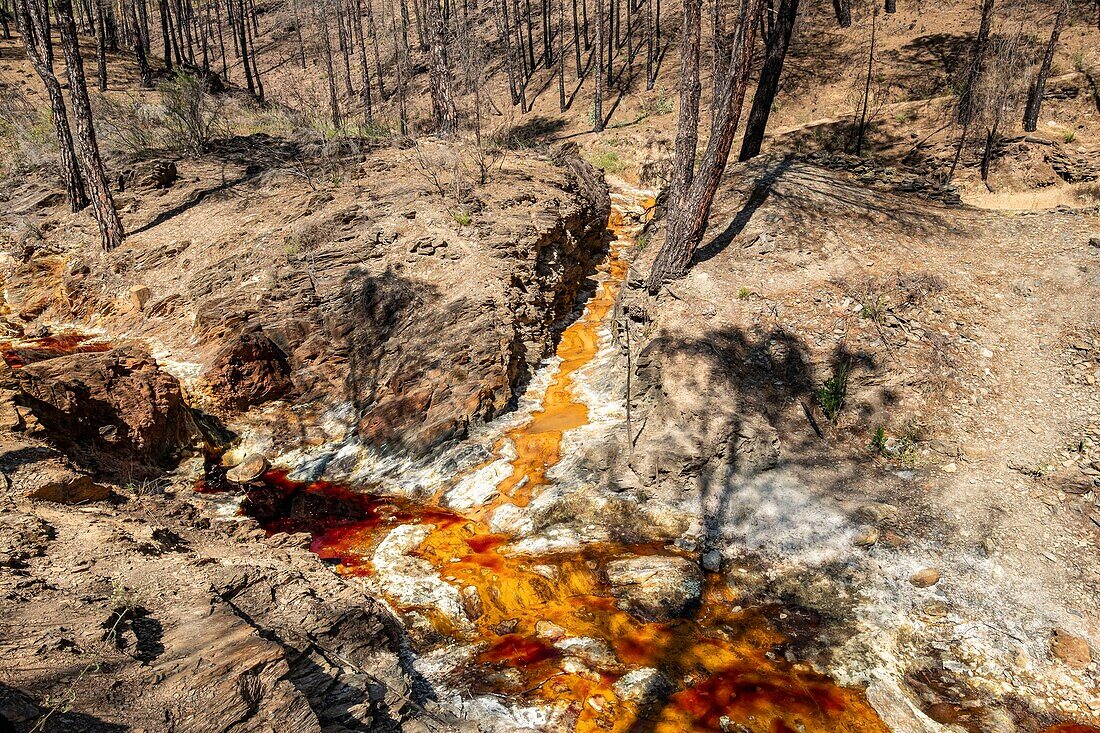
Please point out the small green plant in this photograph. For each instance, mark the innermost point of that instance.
(641, 241)
(874, 310)
(609, 162)
(832, 394)
(878, 440)
(1069, 136)
(744, 294)
(1079, 60)
(462, 218)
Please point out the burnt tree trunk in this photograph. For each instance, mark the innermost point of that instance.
(36, 41)
(687, 125)
(330, 75)
(87, 149)
(364, 66)
(444, 110)
(687, 224)
(1035, 94)
(145, 72)
(861, 131)
(965, 113)
(597, 101)
(101, 45)
(774, 57)
(843, 10)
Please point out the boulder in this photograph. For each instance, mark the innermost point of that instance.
(38, 472)
(116, 412)
(248, 371)
(248, 470)
(655, 588)
(643, 687)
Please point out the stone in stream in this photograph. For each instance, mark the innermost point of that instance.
(644, 687)
(925, 578)
(655, 588)
(251, 468)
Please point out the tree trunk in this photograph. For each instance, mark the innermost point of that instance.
(400, 54)
(577, 39)
(364, 67)
(443, 103)
(965, 113)
(561, 55)
(36, 41)
(343, 34)
(843, 9)
(768, 87)
(597, 101)
(377, 50)
(110, 226)
(330, 75)
(687, 224)
(165, 34)
(253, 29)
(1035, 95)
(687, 125)
(101, 45)
(298, 32)
(862, 129)
(145, 72)
(500, 14)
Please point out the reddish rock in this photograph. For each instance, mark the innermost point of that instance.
(248, 371)
(1071, 649)
(116, 412)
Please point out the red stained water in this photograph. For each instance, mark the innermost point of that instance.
(727, 664)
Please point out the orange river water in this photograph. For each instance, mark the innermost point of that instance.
(727, 663)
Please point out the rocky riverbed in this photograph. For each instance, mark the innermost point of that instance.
(647, 524)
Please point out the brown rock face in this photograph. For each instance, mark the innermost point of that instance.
(1071, 649)
(115, 412)
(248, 371)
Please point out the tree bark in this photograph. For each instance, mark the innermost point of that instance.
(330, 75)
(687, 223)
(965, 113)
(36, 41)
(87, 149)
(597, 101)
(775, 56)
(101, 45)
(443, 103)
(1035, 94)
(687, 125)
(843, 9)
(862, 129)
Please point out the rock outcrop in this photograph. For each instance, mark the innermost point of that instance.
(655, 588)
(408, 315)
(115, 412)
(248, 371)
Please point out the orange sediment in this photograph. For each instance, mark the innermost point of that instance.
(538, 442)
(726, 666)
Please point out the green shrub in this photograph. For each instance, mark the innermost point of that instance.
(609, 162)
(832, 394)
(191, 113)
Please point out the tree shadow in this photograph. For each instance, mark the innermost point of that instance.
(760, 191)
(734, 438)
